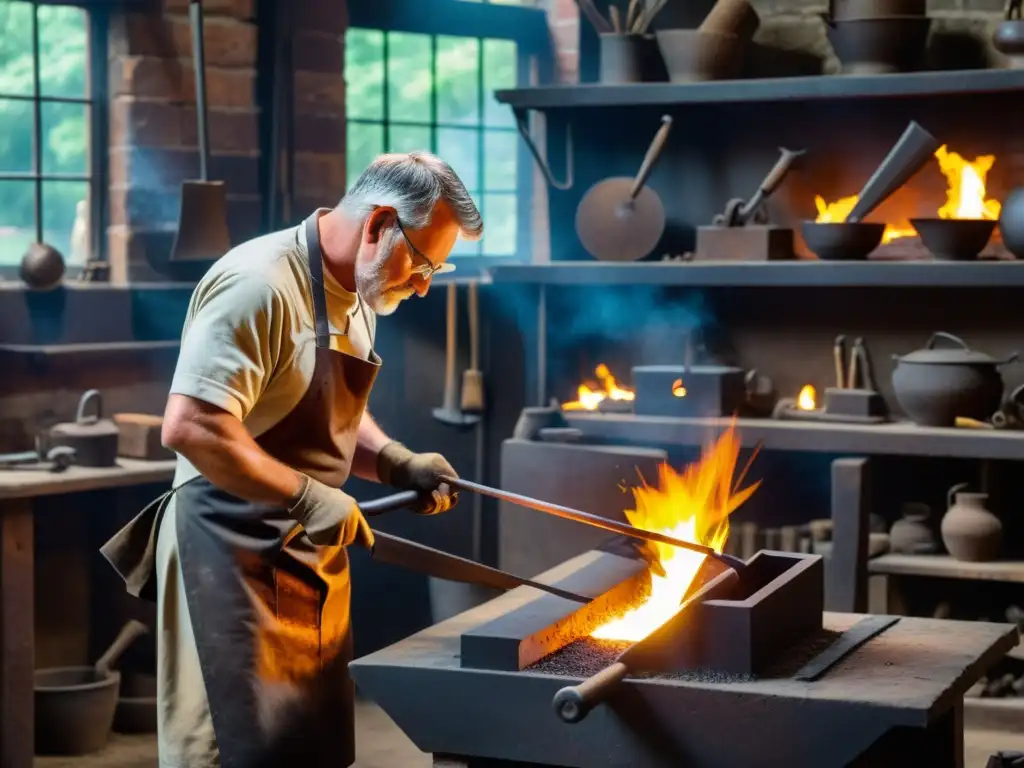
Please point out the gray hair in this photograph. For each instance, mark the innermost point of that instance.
(413, 184)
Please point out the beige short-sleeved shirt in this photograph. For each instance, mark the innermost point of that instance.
(248, 346)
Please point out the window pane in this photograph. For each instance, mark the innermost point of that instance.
(63, 51)
(460, 148)
(500, 149)
(17, 220)
(65, 138)
(15, 136)
(365, 142)
(409, 138)
(499, 225)
(458, 97)
(66, 216)
(15, 49)
(409, 77)
(499, 73)
(364, 74)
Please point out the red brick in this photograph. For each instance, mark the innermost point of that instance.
(566, 36)
(171, 80)
(165, 169)
(162, 124)
(150, 209)
(323, 15)
(319, 93)
(321, 174)
(239, 9)
(563, 10)
(313, 133)
(319, 52)
(227, 42)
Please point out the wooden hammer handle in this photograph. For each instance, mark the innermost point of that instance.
(573, 703)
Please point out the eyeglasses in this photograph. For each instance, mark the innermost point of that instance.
(425, 268)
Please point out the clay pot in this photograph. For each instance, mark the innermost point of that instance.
(911, 534)
(848, 10)
(969, 530)
(692, 56)
(1011, 222)
(879, 46)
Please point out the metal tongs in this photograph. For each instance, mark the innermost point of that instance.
(860, 374)
(442, 565)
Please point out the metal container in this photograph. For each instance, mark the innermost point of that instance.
(879, 46)
(1011, 222)
(936, 386)
(94, 438)
(630, 59)
(954, 239)
(841, 240)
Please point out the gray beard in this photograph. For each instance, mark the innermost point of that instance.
(370, 280)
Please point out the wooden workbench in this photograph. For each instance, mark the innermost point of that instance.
(905, 685)
(18, 490)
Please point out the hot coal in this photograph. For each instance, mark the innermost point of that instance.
(589, 656)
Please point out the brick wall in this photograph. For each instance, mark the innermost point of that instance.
(564, 20)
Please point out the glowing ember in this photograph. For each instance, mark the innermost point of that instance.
(807, 400)
(678, 389)
(589, 396)
(694, 506)
(965, 196)
(836, 213)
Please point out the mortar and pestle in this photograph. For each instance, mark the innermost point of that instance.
(74, 706)
(853, 239)
(713, 51)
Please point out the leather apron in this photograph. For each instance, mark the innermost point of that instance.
(270, 611)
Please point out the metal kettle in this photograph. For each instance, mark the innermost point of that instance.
(93, 437)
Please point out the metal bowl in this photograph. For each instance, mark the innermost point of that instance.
(954, 239)
(842, 241)
(881, 45)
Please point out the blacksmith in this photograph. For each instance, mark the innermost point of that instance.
(246, 557)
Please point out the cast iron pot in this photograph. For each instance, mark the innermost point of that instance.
(935, 386)
(1011, 222)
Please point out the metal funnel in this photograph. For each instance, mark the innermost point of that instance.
(905, 159)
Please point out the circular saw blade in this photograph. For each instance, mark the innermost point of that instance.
(613, 228)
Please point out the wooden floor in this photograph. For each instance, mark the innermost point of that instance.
(381, 745)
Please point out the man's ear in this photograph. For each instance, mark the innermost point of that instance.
(379, 219)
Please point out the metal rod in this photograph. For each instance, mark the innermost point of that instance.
(199, 69)
(592, 520)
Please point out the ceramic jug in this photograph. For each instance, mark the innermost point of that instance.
(969, 530)
(911, 534)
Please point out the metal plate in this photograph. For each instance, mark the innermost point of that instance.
(613, 229)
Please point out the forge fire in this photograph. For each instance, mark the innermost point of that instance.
(592, 396)
(966, 197)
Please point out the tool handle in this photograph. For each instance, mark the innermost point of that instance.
(449, 347)
(402, 500)
(129, 633)
(195, 14)
(472, 297)
(839, 359)
(651, 158)
(574, 703)
(781, 170)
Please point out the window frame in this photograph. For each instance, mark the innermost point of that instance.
(528, 28)
(96, 99)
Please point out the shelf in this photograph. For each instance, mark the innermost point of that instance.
(901, 439)
(818, 87)
(97, 348)
(945, 567)
(793, 274)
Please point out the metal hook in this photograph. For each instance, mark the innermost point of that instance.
(524, 131)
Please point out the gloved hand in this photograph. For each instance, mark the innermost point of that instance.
(399, 467)
(330, 516)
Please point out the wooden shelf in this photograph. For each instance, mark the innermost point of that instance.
(96, 348)
(815, 88)
(793, 274)
(945, 567)
(900, 439)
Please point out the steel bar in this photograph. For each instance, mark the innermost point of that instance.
(847, 643)
(592, 520)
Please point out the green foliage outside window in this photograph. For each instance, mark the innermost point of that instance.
(62, 160)
(408, 91)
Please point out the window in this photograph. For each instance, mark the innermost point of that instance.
(408, 91)
(46, 121)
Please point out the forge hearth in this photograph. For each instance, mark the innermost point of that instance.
(895, 700)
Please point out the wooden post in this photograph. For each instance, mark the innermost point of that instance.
(846, 587)
(17, 634)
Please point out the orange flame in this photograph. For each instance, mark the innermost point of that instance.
(807, 400)
(693, 505)
(678, 389)
(589, 396)
(965, 195)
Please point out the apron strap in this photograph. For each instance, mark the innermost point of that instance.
(316, 272)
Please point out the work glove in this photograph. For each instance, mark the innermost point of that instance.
(330, 516)
(399, 467)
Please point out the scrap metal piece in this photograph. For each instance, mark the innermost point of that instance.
(845, 644)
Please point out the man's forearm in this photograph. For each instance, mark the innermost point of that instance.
(369, 440)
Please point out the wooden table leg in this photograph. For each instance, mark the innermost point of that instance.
(17, 634)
